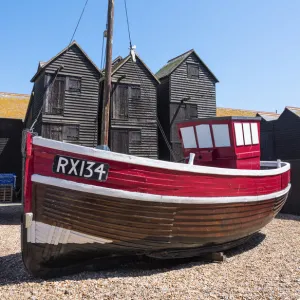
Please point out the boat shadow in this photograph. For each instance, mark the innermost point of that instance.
(288, 217)
(13, 270)
(10, 215)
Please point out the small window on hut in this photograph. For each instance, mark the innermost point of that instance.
(55, 94)
(135, 93)
(53, 131)
(135, 136)
(3, 142)
(71, 132)
(193, 71)
(74, 84)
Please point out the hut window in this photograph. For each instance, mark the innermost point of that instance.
(254, 132)
(193, 71)
(120, 102)
(135, 93)
(52, 131)
(74, 84)
(135, 136)
(55, 95)
(204, 136)
(239, 139)
(221, 135)
(188, 137)
(71, 132)
(191, 111)
(3, 142)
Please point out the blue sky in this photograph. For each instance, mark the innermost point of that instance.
(252, 46)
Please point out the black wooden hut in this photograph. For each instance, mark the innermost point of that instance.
(287, 141)
(69, 106)
(267, 135)
(287, 134)
(133, 111)
(187, 78)
(10, 147)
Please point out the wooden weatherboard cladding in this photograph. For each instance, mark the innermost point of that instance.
(73, 99)
(133, 109)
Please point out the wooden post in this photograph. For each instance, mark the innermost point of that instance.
(107, 80)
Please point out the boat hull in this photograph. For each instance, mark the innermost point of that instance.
(71, 227)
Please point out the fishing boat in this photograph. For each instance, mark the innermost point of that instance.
(86, 204)
(82, 203)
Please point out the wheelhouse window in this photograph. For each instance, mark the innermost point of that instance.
(193, 71)
(221, 135)
(254, 134)
(204, 136)
(188, 137)
(55, 95)
(246, 134)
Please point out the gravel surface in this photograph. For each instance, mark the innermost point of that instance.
(266, 267)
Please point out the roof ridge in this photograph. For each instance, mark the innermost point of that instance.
(191, 50)
(293, 107)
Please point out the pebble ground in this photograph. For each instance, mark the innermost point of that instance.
(266, 267)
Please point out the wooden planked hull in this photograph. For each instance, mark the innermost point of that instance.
(71, 220)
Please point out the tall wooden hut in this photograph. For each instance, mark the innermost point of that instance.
(68, 109)
(133, 111)
(185, 77)
(267, 135)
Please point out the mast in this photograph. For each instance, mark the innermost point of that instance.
(107, 79)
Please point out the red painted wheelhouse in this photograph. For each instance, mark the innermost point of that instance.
(226, 142)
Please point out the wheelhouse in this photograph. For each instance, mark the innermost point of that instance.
(226, 142)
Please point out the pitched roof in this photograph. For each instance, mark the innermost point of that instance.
(119, 62)
(267, 116)
(295, 110)
(175, 62)
(13, 106)
(43, 65)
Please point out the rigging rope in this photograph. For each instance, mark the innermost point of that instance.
(127, 19)
(50, 86)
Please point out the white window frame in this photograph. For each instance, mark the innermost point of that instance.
(247, 134)
(204, 136)
(221, 135)
(188, 137)
(254, 134)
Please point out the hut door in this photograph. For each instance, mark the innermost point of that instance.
(119, 140)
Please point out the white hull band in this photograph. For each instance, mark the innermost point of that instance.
(123, 195)
(41, 233)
